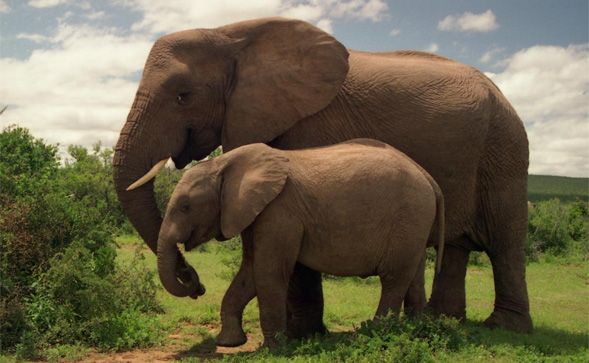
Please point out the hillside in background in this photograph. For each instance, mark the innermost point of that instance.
(546, 187)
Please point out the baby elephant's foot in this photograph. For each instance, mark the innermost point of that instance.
(231, 338)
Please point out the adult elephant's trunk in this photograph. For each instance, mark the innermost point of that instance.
(132, 160)
(167, 260)
(136, 153)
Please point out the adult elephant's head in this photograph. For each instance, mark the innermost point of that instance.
(234, 85)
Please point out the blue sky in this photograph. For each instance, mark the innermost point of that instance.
(69, 69)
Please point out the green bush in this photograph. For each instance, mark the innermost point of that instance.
(558, 230)
(392, 339)
(26, 164)
(88, 179)
(78, 301)
(59, 282)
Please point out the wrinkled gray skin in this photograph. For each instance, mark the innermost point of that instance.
(359, 208)
(290, 85)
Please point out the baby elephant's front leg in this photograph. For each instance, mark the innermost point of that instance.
(241, 291)
(272, 292)
(274, 261)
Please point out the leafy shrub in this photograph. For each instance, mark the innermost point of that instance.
(392, 339)
(78, 301)
(26, 163)
(556, 229)
(88, 179)
(59, 281)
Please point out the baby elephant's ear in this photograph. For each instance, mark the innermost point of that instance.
(253, 175)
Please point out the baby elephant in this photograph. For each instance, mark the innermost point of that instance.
(359, 208)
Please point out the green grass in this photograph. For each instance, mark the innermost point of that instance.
(559, 300)
(546, 187)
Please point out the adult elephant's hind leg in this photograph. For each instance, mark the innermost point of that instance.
(448, 293)
(507, 226)
(305, 303)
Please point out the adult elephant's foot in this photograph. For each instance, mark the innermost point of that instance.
(520, 322)
(302, 328)
(230, 338)
(452, 309)
(271, 343)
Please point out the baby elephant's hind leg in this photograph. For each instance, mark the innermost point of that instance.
(415, 301)
(392, 295)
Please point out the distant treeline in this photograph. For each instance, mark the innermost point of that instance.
(545, 187)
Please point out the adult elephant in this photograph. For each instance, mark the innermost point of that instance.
(290, 85)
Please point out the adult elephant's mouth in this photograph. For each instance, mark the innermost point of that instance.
(199, 144)
(182, 160)
(185, 156)
(190, 244)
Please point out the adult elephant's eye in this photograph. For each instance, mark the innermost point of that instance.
(182, 97)
(185, 208)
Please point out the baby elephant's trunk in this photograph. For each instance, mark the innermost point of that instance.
(168, 258)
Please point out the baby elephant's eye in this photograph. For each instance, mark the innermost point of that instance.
(185, 208)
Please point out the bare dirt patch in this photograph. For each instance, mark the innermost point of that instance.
(178, 345)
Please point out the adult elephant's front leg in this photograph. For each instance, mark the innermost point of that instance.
(305, 303)
(241, 291)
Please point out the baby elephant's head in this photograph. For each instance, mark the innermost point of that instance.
(217, 199)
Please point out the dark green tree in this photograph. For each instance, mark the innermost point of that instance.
(26, 164)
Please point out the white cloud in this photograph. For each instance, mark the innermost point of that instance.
(325, 25)
(304, 12)
(490, 54)
(95, 15)
(46, 3)
(4, 8)
(167, 16)
(432, 48)
(483, 22)
(76, 92)
(36, 38)
(374, 10)
(549, 88)
(395, 32)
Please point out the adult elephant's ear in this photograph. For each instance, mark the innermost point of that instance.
(285, 70)
(251, 177)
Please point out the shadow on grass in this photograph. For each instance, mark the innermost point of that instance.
(545, 340)
(206, 349)
(464, 339)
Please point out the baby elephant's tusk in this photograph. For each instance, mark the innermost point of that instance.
(150, 174)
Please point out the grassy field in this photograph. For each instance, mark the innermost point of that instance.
(545, 187)
(559, 299)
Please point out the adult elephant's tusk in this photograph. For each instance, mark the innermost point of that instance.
(150, 174)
